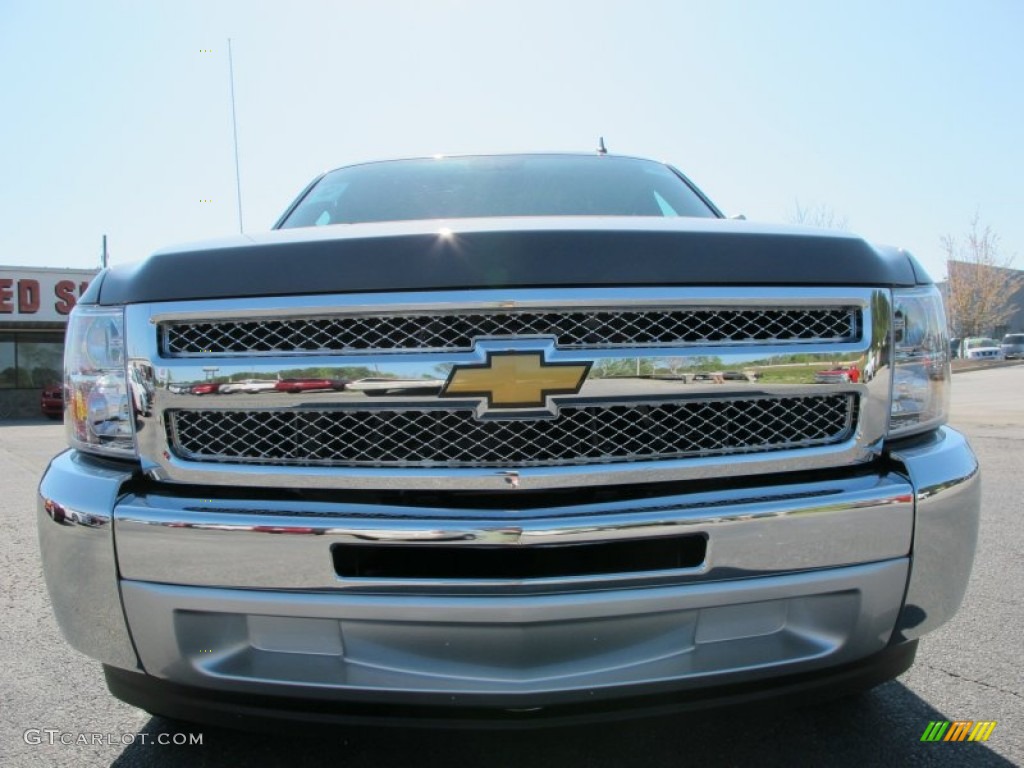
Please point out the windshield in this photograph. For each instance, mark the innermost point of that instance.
(1014, 338)
(518, 185)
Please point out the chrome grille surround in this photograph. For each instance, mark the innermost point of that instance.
(574, 328)
(673, 379)
(581, 434)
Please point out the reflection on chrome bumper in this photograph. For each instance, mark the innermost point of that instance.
(796, 576)
(75, 509)
(287, 545)
(945, 474)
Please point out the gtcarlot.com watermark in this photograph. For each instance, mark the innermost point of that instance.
(52, 736)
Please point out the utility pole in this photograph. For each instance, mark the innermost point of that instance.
(103, 256)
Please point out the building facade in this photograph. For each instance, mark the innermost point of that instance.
(34, 306)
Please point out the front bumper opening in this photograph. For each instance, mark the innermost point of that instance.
(410, 561)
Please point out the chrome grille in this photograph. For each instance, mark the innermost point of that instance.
(581, 434)
(581, 329)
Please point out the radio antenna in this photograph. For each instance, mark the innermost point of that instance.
(234, 130)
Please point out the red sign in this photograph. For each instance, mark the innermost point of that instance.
(40, 294)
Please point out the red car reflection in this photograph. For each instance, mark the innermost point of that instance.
(51, 401)
(310, 385)
(838, 375)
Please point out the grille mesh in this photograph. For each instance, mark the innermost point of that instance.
(581, 329)
(582, 434)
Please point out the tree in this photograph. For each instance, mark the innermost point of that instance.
(819, 215)
(980, 281)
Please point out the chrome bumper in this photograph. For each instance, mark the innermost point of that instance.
(220, 594)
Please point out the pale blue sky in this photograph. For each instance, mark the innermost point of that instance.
(904, 117)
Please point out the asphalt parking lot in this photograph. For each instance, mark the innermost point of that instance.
(971, 669)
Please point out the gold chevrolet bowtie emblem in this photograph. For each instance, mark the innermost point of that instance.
(515, 379)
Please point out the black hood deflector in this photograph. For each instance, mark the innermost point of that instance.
(279, 265)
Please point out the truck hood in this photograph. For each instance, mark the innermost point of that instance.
(506, 253)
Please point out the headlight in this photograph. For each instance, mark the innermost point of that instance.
(920, 384)
(95, 382)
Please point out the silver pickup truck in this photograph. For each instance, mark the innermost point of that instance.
(574, 462)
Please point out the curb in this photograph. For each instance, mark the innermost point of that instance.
(983, 366)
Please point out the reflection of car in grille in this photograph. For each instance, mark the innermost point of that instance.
(538, 399)
(247, 385)
(840, 374)
(376, 387)
(309, 385)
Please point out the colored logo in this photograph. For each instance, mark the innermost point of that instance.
(515, 379)
(958, 730)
